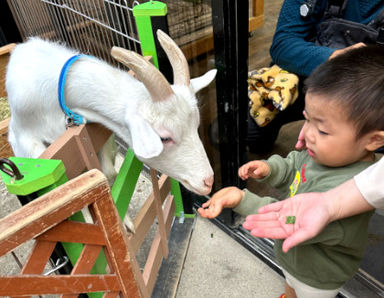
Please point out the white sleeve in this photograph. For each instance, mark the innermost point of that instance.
(369, 182)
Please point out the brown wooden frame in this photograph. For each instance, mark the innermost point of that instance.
(87, 139)
(45, 220)
(5, 148)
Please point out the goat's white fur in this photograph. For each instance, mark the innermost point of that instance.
(112, 97)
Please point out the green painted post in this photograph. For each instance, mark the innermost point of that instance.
(39, 176)
(143, 13)
(125, 182)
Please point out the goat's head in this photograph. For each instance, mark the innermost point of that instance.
(164, 131)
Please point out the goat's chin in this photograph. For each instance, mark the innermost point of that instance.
(202, 191)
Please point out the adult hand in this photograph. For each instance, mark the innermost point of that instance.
(300, 145)
(311, 215)
(254, 169)
(313, 211)
(228, 197)
(342, 51)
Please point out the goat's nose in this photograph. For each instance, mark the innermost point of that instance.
(208, 181)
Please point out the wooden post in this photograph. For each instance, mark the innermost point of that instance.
(159, 211)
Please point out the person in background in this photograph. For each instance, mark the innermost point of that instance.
(307, 35)
(341, 135)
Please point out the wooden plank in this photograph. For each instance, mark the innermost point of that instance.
(256, 22)
(38, 257)
(159, 213)
(76, 140)
(98, 134)
(40, 215)
(258, 8)
(86, 150)
(75, 232)
(154, 259)
(85, 262)
(117, 244)
(205, 44)
(87, 258)
(198, 47)
(257, 18)
(66, 149)
(146, 214)
(7, 49)
(111, 295)
(5, 147)
(4, 58)
(57, 284)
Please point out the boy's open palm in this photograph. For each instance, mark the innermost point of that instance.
(228, 197)
(254, 169)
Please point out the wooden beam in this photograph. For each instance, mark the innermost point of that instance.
(71, 231)
(5, 51)
(57, 284)
(5, 148)
(40, 215)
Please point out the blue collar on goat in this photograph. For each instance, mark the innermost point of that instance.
(73, 118)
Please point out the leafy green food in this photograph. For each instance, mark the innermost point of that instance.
(290, 219)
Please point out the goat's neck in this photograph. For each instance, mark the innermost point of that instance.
(105, 95)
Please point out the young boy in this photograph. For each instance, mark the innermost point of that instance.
(344, 109)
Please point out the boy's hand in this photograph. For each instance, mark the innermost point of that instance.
(228, 197)
(254, 169)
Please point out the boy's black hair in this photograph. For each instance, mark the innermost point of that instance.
(355, 80)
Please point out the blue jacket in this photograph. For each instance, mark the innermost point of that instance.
(291, 49)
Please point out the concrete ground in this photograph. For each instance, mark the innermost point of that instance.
(218, 266)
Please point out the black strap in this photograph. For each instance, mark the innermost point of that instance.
(378, 21)
(336, 8)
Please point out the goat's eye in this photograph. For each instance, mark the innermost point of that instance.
(165, 140)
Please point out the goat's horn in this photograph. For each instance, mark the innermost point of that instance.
(151, 77)
(176, 58)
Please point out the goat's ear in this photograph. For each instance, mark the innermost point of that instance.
(146, 142)
(203, 81)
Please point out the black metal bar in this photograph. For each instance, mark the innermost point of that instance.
(8, 29)
(230, 27)
(161, 22)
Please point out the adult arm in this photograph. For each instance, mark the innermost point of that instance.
(313, 211)
(291, 47)
(369, 183)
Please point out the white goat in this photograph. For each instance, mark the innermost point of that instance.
(157, 120)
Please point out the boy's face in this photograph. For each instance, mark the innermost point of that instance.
(330, 137)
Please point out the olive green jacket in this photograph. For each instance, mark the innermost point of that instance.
(328, 260)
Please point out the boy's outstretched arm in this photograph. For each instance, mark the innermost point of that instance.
(228, 197)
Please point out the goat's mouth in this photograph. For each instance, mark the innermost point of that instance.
(202, 191)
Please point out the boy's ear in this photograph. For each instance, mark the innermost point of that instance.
(376, 140)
